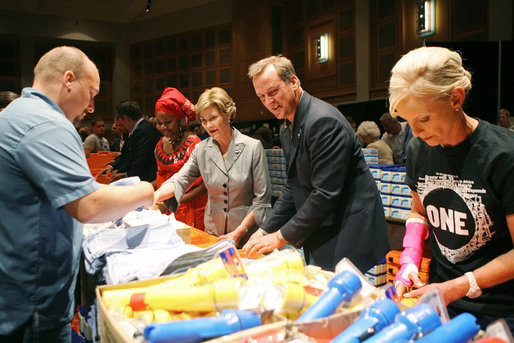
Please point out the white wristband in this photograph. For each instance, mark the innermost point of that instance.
(474, 290)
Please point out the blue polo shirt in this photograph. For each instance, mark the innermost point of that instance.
(42, 168)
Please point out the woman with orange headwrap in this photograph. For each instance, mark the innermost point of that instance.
(173, 111)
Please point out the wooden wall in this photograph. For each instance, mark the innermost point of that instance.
(367, 37)
(190, 62)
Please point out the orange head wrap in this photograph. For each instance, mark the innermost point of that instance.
(175, 104)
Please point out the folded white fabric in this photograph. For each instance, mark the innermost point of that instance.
(146, 229)
(143, 263)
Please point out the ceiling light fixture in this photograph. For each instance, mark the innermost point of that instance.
(148, 5)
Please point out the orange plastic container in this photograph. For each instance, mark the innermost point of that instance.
(98, 160)
(393, 257)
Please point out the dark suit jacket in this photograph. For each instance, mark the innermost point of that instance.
(116, 142)
(331, 205)
(137, 157)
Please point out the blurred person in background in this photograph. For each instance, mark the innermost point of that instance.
(394, 135)
(120, 135)
(153, 121)
(198, 130)
(137, 157)
(84, 132)
(504, 119)
(264, 134)
(96, 141)
(6, 97)
(353, 123)
(370, 134)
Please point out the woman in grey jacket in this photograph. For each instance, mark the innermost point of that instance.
(233, 167)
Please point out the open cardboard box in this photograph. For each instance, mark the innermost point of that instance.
(185, 234)
(112, 330)
(322, 330)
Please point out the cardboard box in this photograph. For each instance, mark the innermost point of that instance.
(322, 330)
(185, 234)
(331, 326)
(251, 333)
(393, 257)
(113, 331)
(328, 327)
(392, 269)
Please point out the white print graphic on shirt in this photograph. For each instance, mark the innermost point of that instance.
(457, 215)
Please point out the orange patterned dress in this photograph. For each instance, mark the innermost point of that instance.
(191, 212)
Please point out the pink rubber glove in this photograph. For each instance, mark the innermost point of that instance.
(416, 231)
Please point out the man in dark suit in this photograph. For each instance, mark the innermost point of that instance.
(137, 156)
(331, 205)
(120, 135)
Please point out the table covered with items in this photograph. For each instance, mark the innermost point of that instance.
(157, 280)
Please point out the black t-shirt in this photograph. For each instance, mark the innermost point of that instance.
(467, 191)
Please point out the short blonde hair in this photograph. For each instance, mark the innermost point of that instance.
(368, 128)
(427, 72)
(58, 60)
(504, 110)
(283, 66)
(216, 96)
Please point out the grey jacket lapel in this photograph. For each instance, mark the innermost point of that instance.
(235, 150)
(214, 154)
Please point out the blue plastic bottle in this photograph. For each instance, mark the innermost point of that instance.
(196, 330)
(371, 320)
(421, 318)
(460, 329)
(341, 287)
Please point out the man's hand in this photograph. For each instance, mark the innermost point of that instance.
(117, 176)
(105, 169)
(265, 243)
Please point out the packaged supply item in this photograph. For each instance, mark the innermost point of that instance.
(196, 330)
(385, 187)
(386, 200)
(274, 152)
(404, 202)
(385, 175)
(398, 175)
(375, 171)
(400, 189)
(415, 321)
(341, 288)
(460, 329)
(371, 320)
(500, 330)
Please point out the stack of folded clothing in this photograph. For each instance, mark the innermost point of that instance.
(140, 246)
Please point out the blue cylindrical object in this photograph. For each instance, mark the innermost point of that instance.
(371, 320)
(421, 318)
(196, 330)
(341, 287)
(460, 329)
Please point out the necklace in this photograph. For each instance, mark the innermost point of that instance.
(173, 142)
